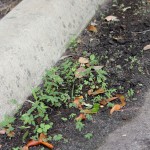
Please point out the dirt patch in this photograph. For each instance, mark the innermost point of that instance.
(120, 47)
(6, 6)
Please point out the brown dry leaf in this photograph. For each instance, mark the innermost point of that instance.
(25, 148)
(33, 143)
(42, 137)
(81, 117)
(77, 102)
(40, 141)
(90, 92)
(122, 99)
(3, 131)
(105, 101)
(99, 91)
(79, 71)
(147, 47)
(92, 28)
(111, 18)
(11, 134)
(47, 145)
(83, 60)
(115, 108)
(88, 65)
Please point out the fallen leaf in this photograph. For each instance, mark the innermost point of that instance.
(81, 117)
(80, 72)
(33, 143)
(88, 65)
(115, 108)
(92, 28)
(98, 67)
(83, 60)
(111, 18)
(40, 141)
(77, 102)
(122, 99)
(147, 47)
(42, 137)
(90, 92)
(105, 101)
(99, 91)
(11, 134)
(47, 145)
(3, 131)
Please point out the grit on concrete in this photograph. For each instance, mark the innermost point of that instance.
(134, 135)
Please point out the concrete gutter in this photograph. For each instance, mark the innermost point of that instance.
(33, 36)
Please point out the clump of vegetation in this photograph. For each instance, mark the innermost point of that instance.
(78, 83)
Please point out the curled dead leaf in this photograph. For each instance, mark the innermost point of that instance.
(111, 18)
(47, 145)
(106, 101)
(11, 134)
(36, 143)
(81, 117)
(147, 47)
(122, 99)
(90, 92)
(116, 107)
(79, 72)
(42, 137)
(99, 91)
(83, 60)
(77, 102)
(92, 28)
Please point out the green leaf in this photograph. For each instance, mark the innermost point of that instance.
(39, 130)
(57, 137)
(92, 57)
(88, 136)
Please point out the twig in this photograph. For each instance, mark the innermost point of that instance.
(142, 31)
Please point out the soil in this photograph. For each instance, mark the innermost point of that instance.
(6, 6)
(117, 43)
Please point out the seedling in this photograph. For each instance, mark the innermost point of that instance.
(88, 136)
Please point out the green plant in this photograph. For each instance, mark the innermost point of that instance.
(57, 137)
(88, 136)
(130, 92)
(64, 119)
(43, 128)
(79, 125)
(72, 115)
(7, 123)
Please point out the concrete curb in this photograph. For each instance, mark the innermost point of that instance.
(32, 38)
